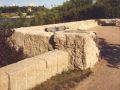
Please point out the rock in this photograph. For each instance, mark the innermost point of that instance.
(81, 47)
(118, 23)
(50, 29)
(54, 29)
(33, 44)
(4, 85)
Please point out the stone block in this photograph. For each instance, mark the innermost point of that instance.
(76, 43)
(4, 80)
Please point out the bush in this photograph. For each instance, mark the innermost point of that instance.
(8, 52)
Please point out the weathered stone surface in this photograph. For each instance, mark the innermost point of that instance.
(34, 40)
(56, 28)
(30, 72)
(50, 29)
(79, 51)
(32, 44)
(56, 62)
(4, 80)
(118, 23)
(81, 47)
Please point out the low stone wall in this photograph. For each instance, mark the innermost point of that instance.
(111, 21)
(79, 51)
(83, 25)
(78, 43)
(30, 72)
(32, 44)
(34, 40)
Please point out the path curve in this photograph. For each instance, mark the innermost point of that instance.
(106, 74)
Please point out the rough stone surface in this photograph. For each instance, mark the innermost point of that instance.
(32, 44)
(79, 51)
(30, 72)
(81, 47)
(118, 23)
(54, 29)
(34, 40)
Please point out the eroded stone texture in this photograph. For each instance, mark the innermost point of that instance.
(81, 47)
(32, 41)
(118, 23)
(32, 44)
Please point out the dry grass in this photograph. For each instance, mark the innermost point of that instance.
(64, 81)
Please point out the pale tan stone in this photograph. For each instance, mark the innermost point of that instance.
(79, 51)
(34, 40)
(24, 74)
(32, 44)
(56, 62)
(79, 45)
(30, 72)
(4, 81)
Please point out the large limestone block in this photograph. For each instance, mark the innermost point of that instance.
(79, 45)
(30, 72)
(118, 22)
(4, 80)
(25, 74)
(91, 51)
(33, 41)
(32, 44)
(57, 61)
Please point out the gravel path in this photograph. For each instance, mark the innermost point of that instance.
(106, 74)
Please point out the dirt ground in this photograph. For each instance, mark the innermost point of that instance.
(106, 74)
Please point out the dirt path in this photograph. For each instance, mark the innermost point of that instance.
(106, 74)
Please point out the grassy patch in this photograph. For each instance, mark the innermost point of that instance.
(63, 81)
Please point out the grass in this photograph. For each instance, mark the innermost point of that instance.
(64, 81)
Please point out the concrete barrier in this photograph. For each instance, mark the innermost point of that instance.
(30, 72)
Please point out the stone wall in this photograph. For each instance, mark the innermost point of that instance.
(34, 40)
(78, 43)
(83, 25)
(33, 44)
(79, 51)
(30, 72)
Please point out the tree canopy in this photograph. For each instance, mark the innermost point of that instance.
(72, 10)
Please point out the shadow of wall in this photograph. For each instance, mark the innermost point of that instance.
(110, 52)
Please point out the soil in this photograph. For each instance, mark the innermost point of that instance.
(106, 73)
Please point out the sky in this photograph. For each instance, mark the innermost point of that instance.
(46, 3)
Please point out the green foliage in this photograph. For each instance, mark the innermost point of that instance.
(6, 30)
(111, 8)
(8, 53)
(72, 10)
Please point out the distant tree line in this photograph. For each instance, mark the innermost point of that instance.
(72, 10)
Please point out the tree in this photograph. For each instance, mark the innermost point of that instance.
(111, 7)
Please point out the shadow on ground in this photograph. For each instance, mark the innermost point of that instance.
(110, 52)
